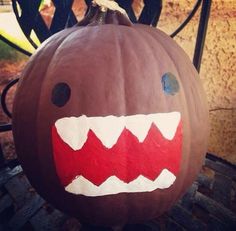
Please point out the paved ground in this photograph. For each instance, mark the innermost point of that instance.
(209, 205)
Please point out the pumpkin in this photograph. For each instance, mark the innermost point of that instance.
(110, 121)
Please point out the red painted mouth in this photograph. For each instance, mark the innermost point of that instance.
(127, 159)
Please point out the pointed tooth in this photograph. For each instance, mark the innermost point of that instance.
(165, 179)
(138, 125)
(167, 123)
(107, 129)
(73, 131)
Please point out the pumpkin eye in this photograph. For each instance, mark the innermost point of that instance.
(170, 84)
(60, 94)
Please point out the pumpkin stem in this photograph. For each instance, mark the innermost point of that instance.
(105, 12)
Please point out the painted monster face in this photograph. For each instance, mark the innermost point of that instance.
(97, 156)
(111, 114)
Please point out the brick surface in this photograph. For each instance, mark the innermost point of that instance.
(26, 212)
(185, 219)
(18, 188)
(48, 219)
(171, 225)
(216, 225)
(216, 209)
(205, 181)
(221, 168)
(188, 199)
(5, 202)
(222, 189)
(8, 173)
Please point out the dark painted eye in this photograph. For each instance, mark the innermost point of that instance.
(170, 84)
(60, 94)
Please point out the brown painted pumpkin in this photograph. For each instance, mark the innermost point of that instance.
(110, 121)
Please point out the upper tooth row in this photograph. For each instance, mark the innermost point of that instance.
(74, 130)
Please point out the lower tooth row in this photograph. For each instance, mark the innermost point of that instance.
(113, 185)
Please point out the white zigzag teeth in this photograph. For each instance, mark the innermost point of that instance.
(74, 130)
(113, 185)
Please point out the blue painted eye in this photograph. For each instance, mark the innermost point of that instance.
(170, 84)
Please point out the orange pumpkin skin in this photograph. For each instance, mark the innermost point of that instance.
(111, 70)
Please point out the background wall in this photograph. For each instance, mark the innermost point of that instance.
(217, 71)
